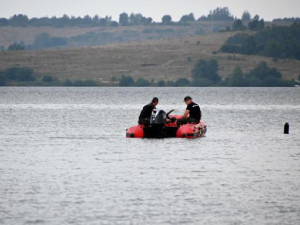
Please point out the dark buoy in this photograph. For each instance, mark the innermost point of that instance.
(286, 128)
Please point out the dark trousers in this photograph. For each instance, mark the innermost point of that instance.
(144, 121)
(187, 120)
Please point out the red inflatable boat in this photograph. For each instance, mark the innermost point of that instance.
(164, 125)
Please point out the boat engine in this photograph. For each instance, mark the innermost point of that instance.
(157, 122)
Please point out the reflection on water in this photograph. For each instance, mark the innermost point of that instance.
(64, 158)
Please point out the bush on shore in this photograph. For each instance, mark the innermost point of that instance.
(19, 74)
(260, 76)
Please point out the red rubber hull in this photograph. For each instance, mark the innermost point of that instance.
(135, 132)
(184, 131)
(191, 130)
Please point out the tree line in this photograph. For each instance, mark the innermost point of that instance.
(218, 14)
(15, 76)
(275, 41)
(21, 20)
(41, 41)
(125, 19)
(286, 19)
(254, 24)
(44, 40)
(205, 74)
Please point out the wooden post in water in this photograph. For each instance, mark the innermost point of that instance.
(286, 128)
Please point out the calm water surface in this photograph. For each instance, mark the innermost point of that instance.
(64, 158)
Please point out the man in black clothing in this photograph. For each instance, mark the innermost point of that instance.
(193, 110)
(144, 118)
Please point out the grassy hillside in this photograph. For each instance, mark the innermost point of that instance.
(160, 59)
(92, 36)
(89, 36)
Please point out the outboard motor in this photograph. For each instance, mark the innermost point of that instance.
(158, 118)
(157, 122)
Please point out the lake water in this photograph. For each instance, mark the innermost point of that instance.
(64, 158)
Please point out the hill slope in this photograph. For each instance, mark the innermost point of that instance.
(89, 36)
(160, 59)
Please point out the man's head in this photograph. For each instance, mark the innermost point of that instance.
(155, 101)
(187, 100)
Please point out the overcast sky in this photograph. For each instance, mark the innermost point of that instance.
(268, 9)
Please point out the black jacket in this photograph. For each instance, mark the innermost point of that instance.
(147, 111)
(195, 111)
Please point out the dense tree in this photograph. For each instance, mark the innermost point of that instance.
(19, 20)
(139, 19)
(167, 19)
(261, 25)
(64, 21)
(107, 21)
(254, 82)
(48, 78)
(4, 22)
(67, 83)
(270, 82)
(273, 48)
(161, 83)
(218, 14)
(237, 78)
(96, 19)
(276, 42)
(246, 17)
(114, 24)
(141, 82)
(41, 41)
(188, 18)
(87, 20)
(182, 82)
(290, 20)
(135, 19)
(170, 83)
(126, 81)
(238, 25)
(206, 69)
(256, 24)
(287, 83)
(44, 40)
(201, 82)
(84, 83)
(256, 17)
(202, 18)
(260, 76)
(16, 46)
(19, 74)
(148, 21)
(124, 19)
(262, 71)
(2, 79)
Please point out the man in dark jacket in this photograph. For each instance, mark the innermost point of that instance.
(144, 118)
(193, 110)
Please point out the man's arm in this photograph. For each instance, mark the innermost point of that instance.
(186, 113)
